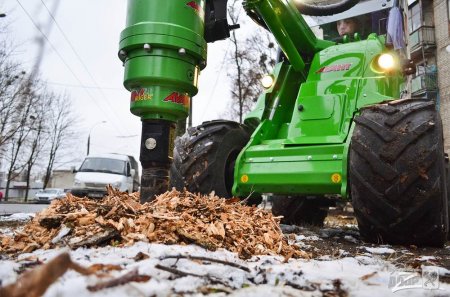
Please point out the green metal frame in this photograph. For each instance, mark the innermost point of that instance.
(304, 122)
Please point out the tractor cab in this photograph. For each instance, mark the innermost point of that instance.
(369, 16)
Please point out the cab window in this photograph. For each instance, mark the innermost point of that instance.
(364, 25)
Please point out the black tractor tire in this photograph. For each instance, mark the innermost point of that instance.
(397, 174)
(204, 158)
(301, 210)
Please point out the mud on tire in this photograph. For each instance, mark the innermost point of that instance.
(205, 156)
(397, 174)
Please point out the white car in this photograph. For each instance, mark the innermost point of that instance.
(47, 195)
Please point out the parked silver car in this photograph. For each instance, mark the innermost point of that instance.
(47, 195)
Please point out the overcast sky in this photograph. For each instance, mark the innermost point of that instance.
(81, 60)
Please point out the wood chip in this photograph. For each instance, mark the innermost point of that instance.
(172, 218)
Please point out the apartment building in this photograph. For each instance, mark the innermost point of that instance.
(428, 28)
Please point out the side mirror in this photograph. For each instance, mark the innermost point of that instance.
(132, 172)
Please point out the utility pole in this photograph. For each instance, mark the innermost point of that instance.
(41, 40)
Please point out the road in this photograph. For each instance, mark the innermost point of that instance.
(7, 209)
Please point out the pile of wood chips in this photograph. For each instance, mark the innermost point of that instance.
(172, 218)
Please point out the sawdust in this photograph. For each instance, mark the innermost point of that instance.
(172, 218)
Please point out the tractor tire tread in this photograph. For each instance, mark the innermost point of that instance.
(196, 165)
(397, 184)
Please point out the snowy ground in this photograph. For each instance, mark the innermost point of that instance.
(342, 265)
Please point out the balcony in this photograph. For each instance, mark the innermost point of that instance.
(424, 84)
(422, 39)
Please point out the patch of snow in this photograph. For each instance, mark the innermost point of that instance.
(268, 276)
(426, 258)
(379, 250)
(343, 253)
(8, 272)
(17, 217)
(7, 231)
(325, 258)
(303, 237)
(441, 270)
(269, 291)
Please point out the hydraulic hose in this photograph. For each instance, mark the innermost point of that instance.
(324, 10)
(308, 9)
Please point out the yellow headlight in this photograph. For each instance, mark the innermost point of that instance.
(267, 81)
(386, 61)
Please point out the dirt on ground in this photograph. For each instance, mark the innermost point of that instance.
(340, 238)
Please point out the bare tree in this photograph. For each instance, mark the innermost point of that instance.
(27, 101)
(36, 139)
(237, 56)
(252, 57)
(12, 81)
(60, 127)
(34, 122)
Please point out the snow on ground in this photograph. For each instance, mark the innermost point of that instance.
(16, 220)
(356, 270)
(379, 250)
(17, 217)
(268, 276)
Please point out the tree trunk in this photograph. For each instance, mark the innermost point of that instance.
(8, 183)
(28, 182)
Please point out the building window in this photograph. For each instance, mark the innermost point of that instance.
(415, 17)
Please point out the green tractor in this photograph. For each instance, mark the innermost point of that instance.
(329, 123)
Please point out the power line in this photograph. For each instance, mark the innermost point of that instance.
(218, 75)
(40, 56)
(79, 58)
(62, 59)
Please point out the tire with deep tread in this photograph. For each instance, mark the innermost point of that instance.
(397, 174)
(301, 210)
(205, 155)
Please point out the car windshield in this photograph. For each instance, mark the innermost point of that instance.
(104, 165)
(49, 191)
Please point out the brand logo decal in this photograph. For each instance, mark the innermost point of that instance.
(141, 95)
(194, 6)
(178, 98)
(334, 68)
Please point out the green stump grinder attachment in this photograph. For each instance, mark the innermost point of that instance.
(163, 49)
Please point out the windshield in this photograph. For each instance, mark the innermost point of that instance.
(369, 16)
(103, 165)
(48, 191)
(363, 25)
